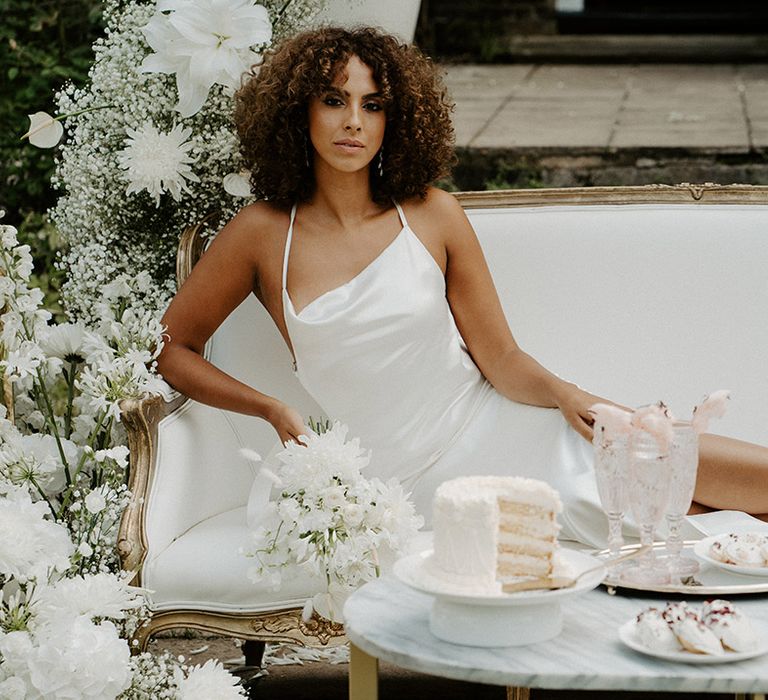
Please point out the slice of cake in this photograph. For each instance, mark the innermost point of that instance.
(489, 530)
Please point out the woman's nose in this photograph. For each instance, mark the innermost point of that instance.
(353, 120)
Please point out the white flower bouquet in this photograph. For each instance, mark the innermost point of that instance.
(329, 518)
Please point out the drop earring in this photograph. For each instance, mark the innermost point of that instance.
(380, 167)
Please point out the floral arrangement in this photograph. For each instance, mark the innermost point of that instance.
(329, 519)
(149, 148)
(66, 610)
(656, 419)
(150, 145)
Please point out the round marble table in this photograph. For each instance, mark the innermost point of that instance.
(387, 620)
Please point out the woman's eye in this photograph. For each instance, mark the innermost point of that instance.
(331, 101)
(372, 106)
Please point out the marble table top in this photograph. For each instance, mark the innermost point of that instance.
(389, 620)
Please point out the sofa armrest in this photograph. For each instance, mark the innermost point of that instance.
(141, 418)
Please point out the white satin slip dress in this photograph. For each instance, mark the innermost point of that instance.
(382, 354)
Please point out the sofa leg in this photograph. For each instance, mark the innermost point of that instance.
(253, 651)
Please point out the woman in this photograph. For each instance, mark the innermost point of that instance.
(379, 287)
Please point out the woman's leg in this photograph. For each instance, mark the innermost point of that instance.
(733, 475)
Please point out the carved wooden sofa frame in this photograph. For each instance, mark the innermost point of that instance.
(142, 417)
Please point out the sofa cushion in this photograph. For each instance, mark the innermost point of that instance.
(203, 570)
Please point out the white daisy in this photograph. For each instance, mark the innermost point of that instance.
(157, 162)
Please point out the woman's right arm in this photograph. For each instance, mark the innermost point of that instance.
(226, 273)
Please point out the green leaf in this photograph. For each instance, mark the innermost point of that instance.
(13, 71)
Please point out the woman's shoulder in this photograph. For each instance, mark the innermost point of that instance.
(262, 216)
(437, 211)
(256, 225)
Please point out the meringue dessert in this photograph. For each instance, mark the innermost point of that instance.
(719, 628)
(729, 625)
(749, 549)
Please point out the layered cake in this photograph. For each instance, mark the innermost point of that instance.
(489, 530)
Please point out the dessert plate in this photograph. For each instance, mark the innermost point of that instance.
(628, 635)
(416, 571)
(702, 550)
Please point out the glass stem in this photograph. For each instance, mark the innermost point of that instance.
(674, 541)
(615, 538)
(646, 538)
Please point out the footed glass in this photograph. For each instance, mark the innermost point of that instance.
(683, 462)
(612, 475)
(650, 478)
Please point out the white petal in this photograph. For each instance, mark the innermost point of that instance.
(158, 63)
(192, 96)
(44, 130)
(237, 185)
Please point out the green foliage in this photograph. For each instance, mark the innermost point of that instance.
(42, 44)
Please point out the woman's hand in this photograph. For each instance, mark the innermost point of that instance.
(287, 422)
(574, 403)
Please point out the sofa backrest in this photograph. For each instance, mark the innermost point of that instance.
(636, 294)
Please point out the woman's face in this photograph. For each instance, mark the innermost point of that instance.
(346, 122)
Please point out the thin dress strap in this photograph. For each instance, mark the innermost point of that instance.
(287, 250)
(400, 213)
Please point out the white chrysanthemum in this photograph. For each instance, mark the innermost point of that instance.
(65, 341)
(30, 545)
(13, 688)
(79, 660)
(208, 681)
(158, 162)
(322, 460)
(8, 236)
(205, 42)
(101, 595)
(37, 457)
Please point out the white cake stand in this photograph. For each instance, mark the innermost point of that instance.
(495, 619)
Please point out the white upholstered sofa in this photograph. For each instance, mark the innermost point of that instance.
(639, 294)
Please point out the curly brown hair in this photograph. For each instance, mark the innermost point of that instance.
(271, 114)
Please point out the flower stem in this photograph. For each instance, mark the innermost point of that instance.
(45, 125)
(70, 398)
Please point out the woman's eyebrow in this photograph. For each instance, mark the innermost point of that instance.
(345, 93)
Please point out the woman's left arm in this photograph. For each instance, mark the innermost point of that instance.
(479, 316)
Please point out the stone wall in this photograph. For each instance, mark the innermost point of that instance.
(480, 28)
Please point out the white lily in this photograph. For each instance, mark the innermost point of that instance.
(204, 42)
(45, 131)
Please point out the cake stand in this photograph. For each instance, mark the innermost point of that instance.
(470, 617)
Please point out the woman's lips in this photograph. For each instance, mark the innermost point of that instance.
(349, 145)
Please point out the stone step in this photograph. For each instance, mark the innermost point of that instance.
(673, 48)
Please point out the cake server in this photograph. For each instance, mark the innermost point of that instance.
(554, 582)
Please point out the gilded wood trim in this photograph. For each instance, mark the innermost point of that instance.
(140, 417)
(191, 247)
(685, 193)
(8, 399)
(282, 626)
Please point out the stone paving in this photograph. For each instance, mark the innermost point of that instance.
(712, 108)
